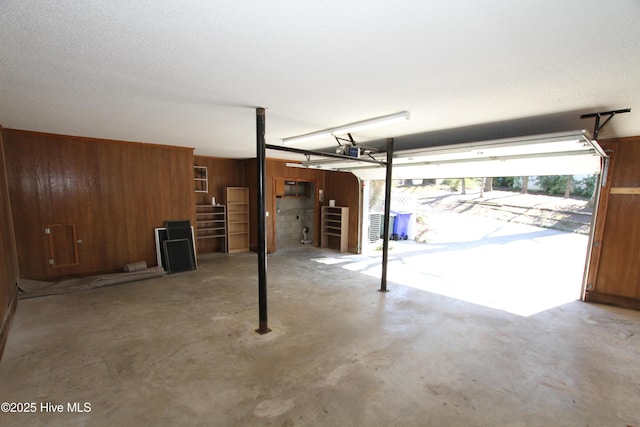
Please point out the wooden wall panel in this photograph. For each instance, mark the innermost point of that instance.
(614, 272)
(8, 256)
(115, 192)
(626, 172)
(277, 168)
(222, 173)
(345, 189)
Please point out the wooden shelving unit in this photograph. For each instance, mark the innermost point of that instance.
(201, 179)
(211, 223)
(238, 219)
(335, 228)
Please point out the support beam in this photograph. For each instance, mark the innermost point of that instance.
(262, 229)
(387, 214)
(598, 127)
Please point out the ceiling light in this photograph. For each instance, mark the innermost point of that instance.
(295, 165)
(353, 127)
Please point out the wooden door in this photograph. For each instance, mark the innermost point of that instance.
(614, 268)
(63, 245)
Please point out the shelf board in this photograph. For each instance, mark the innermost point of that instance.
(221, 236)
(332, 234)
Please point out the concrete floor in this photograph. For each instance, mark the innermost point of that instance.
(181, 350)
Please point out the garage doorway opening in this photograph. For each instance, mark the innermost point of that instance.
(493, 243)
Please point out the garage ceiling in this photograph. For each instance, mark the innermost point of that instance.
(191, 72)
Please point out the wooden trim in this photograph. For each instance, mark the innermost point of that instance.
(602, 298)
(8, 318)
(624, 190)
(599, 221)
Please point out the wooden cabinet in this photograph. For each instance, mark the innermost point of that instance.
(335, 228)
(201, 178)
(292, 188)
(211, 224)
(238, 219)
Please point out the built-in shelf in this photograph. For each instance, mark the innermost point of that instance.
(335, 227)
(211, 223)
(238, 219)
(291, 188)
(201, 179)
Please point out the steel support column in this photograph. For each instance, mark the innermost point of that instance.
(262, 228)
(387, 214)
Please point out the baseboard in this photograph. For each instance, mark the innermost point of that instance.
(8, 318)
(601, 298)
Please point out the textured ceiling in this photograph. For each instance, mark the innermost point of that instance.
(190, 73)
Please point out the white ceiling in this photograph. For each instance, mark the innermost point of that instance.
(191, 72)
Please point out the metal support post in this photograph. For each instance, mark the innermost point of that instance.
(387, 215)
(262, 236)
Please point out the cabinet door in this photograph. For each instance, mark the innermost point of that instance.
(63, 245)
(279, 187)
(302, 189)
(290, 188)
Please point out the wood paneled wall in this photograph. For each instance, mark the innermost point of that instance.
(340, 186)
(614, 271)
(114, 192)
(221, 173)
(8, 256)
(345, 189)
(279, 169)
(275, 169)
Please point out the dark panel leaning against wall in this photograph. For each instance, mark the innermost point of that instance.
(344, 188)
(114, 193)
(8, 257)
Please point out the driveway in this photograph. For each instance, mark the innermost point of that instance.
(518, 268)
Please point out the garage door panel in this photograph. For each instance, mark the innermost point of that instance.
(565, 165)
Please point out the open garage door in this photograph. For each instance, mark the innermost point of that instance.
(571, 153)
(551, 154)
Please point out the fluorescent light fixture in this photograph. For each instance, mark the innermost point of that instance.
(295, 165)
(353, 127)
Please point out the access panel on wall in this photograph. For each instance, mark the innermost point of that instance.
(63, 245)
